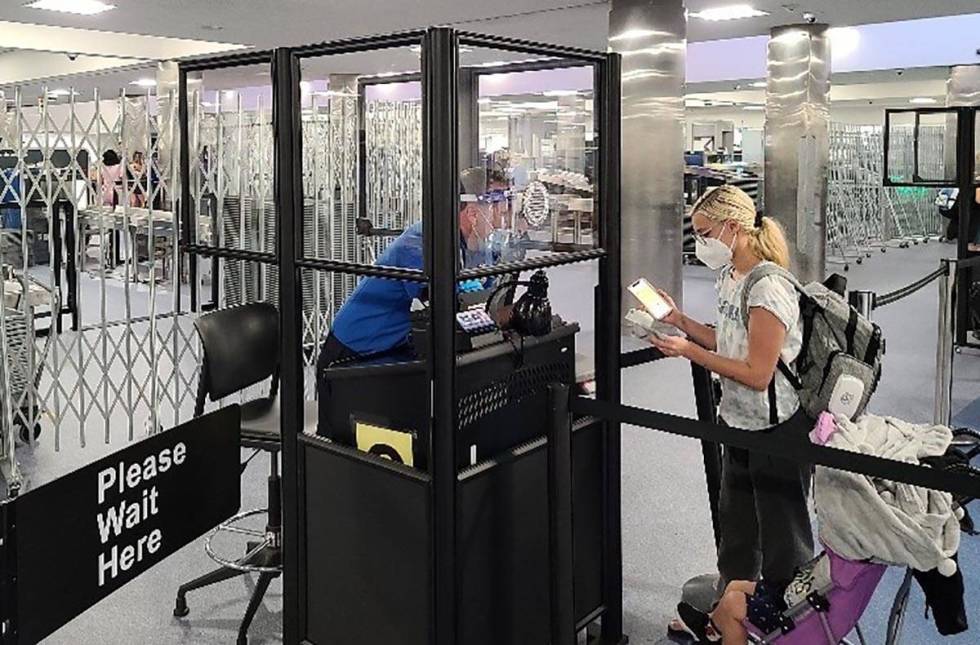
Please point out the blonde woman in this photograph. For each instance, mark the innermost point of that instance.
(763, 513)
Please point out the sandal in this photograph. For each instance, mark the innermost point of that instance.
(695, 623)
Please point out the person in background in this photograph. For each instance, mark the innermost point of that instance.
(952, 212)
(974, 244)
(110, 178)
(136, 178)
(375, 320)
(763, 513)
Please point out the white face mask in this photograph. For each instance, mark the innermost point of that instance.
(714, 253)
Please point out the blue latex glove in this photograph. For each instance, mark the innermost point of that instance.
(469, 286)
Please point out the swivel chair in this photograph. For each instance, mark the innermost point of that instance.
(241, 349)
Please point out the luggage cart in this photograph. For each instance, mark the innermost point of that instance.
(25, 357)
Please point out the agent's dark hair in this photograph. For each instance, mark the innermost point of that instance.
(110, 158)
(496, 176)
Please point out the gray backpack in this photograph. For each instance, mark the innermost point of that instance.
(837, 341)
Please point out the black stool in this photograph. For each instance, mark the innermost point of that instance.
(241, 349)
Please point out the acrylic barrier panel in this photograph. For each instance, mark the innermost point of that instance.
(361, 117)
(921, 147)
(232, 158)
(530, 124)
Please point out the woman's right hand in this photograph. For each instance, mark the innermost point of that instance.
(675, 317)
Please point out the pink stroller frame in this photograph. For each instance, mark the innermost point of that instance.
(831, 614)
(828, 615)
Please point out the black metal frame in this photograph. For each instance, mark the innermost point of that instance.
(440, 65)
(886, 134)
(188, 244)
(966, 130)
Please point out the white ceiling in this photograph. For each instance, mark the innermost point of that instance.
(268, 23)
(265, 23)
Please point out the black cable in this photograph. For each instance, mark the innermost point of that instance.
(904, 292)
(959, 482)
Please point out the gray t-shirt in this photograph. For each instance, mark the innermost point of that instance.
(741, 406)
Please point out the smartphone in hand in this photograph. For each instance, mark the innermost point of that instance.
(652, 301)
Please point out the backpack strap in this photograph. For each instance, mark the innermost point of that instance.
(773, 410)
(791, 376)
(759, 272)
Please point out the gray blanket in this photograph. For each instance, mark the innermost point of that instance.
(863, 517)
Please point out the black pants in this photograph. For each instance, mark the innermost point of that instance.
(763, 513)
(334, 352)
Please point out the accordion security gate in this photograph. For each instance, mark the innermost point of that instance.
(93, 242)
(864, 215)
(103, 347)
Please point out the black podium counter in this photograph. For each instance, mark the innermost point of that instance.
(501, 396)
(367, 539)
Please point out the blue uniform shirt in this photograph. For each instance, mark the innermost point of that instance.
(375, 318)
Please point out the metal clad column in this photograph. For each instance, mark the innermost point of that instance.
(797, 142)
(651, 35)
(469, 118)
(963, 86)
(962, 90)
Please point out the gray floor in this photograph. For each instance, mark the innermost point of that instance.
(666, 527)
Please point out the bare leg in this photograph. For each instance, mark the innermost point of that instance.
(731, 611)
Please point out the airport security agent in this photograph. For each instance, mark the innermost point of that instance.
(763, 514)
(375, 321)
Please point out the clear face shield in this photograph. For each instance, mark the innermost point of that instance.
(491, 238)
(476, 225)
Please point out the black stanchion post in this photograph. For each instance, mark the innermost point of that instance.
(862, 301)
(704, 399)
(609, 341)
(560, 518)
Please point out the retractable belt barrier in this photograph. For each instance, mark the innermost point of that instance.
(904, 292)
(885, 299)
(771, 443)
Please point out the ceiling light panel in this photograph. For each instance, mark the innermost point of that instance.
(731, 12)
(844, 41)
(80, 7)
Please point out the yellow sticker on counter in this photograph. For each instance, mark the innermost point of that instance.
(384, 442)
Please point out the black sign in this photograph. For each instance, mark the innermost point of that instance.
(81, 537)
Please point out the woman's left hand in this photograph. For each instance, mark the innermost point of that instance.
(672, 346)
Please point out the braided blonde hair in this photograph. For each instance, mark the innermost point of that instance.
(767, 240)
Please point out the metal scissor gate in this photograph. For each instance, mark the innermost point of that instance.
(91, 267)
(102, 346)
(863, 215)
